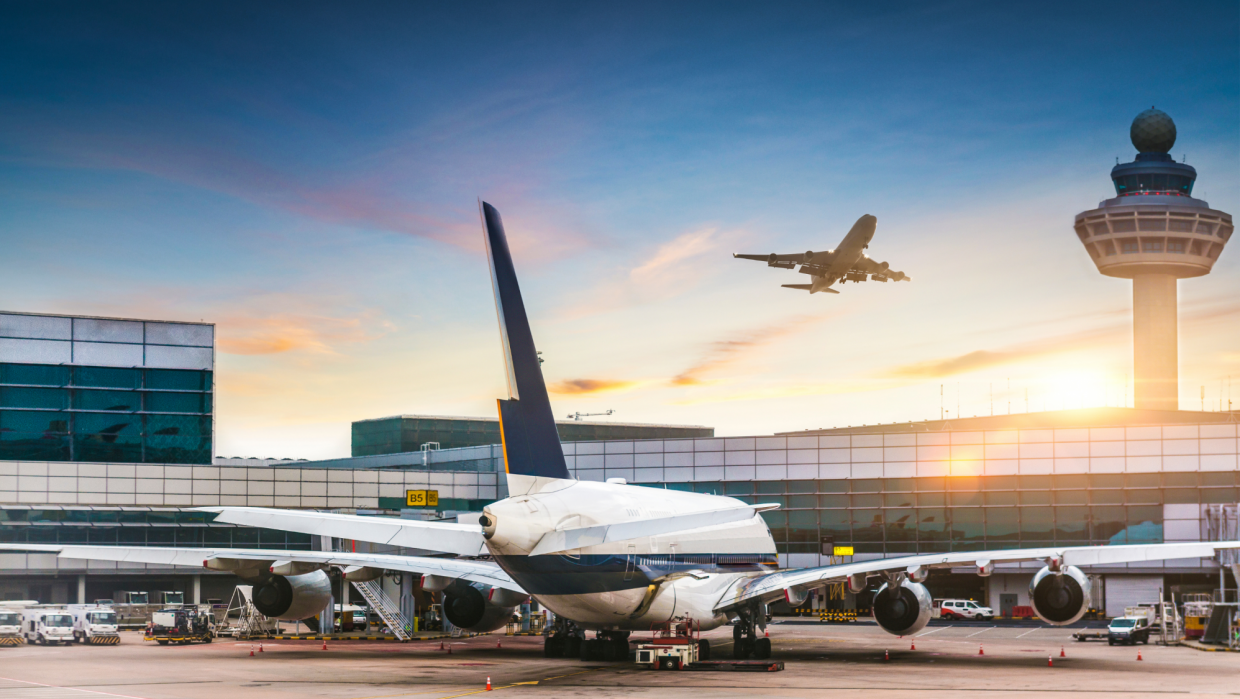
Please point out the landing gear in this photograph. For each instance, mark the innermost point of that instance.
(564, 640)
(745, 641)
(608, 646)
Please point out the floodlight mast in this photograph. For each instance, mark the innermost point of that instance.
(1155, 233)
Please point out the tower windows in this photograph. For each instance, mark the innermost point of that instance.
(1129, 246)
(1155, 245)
(1175, 245)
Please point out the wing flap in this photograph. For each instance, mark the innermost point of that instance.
(461, 539)
(768, 587)
(474, 571)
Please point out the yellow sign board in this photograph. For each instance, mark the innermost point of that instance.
(421, 498)
(838, 551)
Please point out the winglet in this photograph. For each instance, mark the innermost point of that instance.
(527, 427)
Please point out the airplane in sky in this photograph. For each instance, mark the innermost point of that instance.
(846, 263)
(607, 558)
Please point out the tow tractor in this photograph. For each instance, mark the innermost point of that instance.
(678, 645)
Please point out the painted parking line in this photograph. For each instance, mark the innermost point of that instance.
(1027, 633)
(40, 690)
(935, 631)
(982, 631)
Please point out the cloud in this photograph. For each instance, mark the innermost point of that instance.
(962, 364)
(727, 352)
(584, 386)
(275, 334)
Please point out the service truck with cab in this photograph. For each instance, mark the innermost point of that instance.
(47, 626)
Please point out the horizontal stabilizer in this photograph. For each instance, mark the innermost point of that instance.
(802, 287)
(461, 539)
(581, 537)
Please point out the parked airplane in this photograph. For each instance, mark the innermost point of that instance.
(847, 262)
(605, 557)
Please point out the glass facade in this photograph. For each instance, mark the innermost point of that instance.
(402, 434)
(105, 414)
(122, 527)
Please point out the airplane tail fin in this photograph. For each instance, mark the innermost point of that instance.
(527, 427)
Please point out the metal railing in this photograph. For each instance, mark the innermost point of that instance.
(388, 611)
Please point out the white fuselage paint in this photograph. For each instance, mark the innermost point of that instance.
(537, 506)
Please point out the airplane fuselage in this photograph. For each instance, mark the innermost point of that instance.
(849, 251)
(627, 584)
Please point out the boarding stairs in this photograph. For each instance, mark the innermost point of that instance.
(387, 609)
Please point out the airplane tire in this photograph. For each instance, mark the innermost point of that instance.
(553, 647)
(703, 650)
(571, 648)
(762, 648)
(741, 649)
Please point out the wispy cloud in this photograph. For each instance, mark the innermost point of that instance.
(274, 334)
(724, 353)
(584, 386)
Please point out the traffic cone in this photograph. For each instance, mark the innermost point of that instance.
(251, 650)
(766, 634)
(449, 650)
(488, 684)
(325, 644)
(1061, 653)
(886, 655)
(1138, 655)
(441, 646)
(1049, 662)
(498, 644)
(912, 645)
(979, 650)
(260, 646)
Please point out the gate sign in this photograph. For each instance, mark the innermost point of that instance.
(421, 498)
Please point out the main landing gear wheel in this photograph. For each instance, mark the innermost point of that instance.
(762, 649)
(703, 650)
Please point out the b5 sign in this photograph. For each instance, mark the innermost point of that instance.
(421, 498)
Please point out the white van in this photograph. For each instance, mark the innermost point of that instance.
(94, 624)
(48, 626)
(963, 609)
(10, 627)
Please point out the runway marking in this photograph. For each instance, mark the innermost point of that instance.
(983, 630)
(935, 631)
(1027, 633)
(71, 689)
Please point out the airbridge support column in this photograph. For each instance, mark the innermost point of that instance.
(1155, 342)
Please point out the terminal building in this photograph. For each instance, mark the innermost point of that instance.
(105, 438)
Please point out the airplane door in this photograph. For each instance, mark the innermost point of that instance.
(630, 562)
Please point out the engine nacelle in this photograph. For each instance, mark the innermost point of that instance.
(902, 610)
(809, 256)
(292, 597)
(1060, 598)
(477, 607)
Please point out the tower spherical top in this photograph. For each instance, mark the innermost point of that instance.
(1153, 132)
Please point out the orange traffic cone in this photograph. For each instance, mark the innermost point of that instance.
(449, 650)
(1138, 655)
(1049, 662)
(260, 646)
(886, 655)
(499, 644)
(441, 646)
(251, 650)
(766, 634)
(912, 645)
(1061, 653)
(488, 684)
(979, 650)
(325, 644)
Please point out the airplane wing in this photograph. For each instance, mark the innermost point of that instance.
(789, 260)
(474, 571)
(461, 539)
(771, 586)
(867, 266)
(808, 287)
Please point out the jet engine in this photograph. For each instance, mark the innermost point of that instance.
(477, 607)
(1060, 598)
(902, 610)
(898, 276)
(809, 256)
(292, 597)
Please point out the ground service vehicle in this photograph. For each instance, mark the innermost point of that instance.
(674, 646)
(964, 609)
(47, 626)
(11, 627)
(180, 625)
(605, 557)
(1132, 628)
(94, 624)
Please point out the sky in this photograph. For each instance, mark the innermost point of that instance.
(306, 176)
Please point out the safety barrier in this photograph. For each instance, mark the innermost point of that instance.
(838, 616)
(105, 640)
(11, 640)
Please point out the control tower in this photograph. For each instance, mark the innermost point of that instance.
(1155, 233)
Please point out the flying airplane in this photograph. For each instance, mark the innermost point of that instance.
(846, 263)
(607, 558)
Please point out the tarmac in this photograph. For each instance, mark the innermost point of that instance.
(820, 660)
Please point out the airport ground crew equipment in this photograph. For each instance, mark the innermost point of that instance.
(180, 625)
